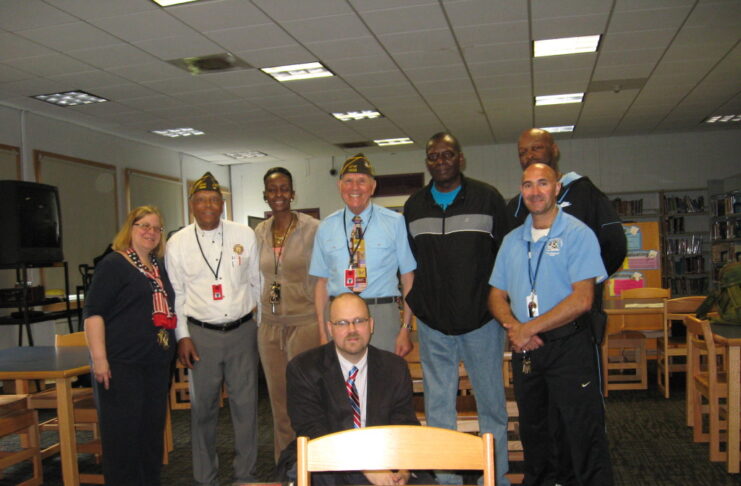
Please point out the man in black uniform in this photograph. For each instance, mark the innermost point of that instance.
(582, 199)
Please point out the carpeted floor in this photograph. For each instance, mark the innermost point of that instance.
(650, 445)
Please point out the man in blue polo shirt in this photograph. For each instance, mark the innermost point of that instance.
(543, 280)
(360, 248)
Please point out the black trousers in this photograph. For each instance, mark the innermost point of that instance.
(132, 422)
(564, 376)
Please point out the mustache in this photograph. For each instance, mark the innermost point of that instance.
(352, 335)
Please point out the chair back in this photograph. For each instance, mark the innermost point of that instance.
(700, 341)
(72, 339)
(646, 293)
(396, 447)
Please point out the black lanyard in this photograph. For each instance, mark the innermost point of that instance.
(352, 251)
(533, 278)
(216, 272)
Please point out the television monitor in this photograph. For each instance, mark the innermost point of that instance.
(31, 222)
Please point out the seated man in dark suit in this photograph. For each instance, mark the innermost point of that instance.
(347, 383)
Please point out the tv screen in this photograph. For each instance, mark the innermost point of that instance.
(31, 221)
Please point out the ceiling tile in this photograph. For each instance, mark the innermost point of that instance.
(179, 85)
(49, 65)
(554, 28)
(92, 9)
(497, 52)
(335, 27)
(277, 56)
(141, 26)
(630, 71)
(89, 80)
(499, 33)
(514, 66)
(361, 65)
(564, 63)
(346, 48)
(479, 12)
(112, 56)
(251, 38)
(76, 35)
(225, 14)
(636, 20)
(9, 74)
(302, 9)
(152, 71)
(14, 47)
(16, 15)
(433, 40)
(405, 19)
(621, 41)
(569, 8)
(180, 46)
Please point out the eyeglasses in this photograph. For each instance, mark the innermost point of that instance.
(447, 155)
(357, 322)
(147, 227)
(215, 200)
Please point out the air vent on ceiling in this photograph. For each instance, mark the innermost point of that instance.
(214, 63)
(354, 145)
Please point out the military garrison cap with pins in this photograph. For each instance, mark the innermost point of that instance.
(207, 182)
(357, 164)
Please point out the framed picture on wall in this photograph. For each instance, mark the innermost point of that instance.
(253, 221)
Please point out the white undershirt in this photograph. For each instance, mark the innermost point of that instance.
(537, 234)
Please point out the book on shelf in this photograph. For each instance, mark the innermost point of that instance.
(684, 204)
(633, 207)
(688, 245)
(727, 205)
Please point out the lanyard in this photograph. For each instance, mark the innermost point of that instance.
(215, 272)
(353, 251)
(533, 278)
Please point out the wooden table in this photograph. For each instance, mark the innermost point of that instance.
(730, 335)
(61, 364)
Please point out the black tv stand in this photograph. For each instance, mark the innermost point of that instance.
(26, 314)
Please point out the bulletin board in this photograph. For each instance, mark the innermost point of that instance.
(642, 265)
(166, 193)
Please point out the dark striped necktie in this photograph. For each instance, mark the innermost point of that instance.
(352, 395)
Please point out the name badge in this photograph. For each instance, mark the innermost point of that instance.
(218, 294)
(350, 278)
(532, 305)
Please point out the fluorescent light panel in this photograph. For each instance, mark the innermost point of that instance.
(170, 3)
(357, 115)
(295, 72)
(393, 141)
(565, 45)
(559, 129)
(559, 99)
(70, 98)
(246, 155)
(723, 119)
(178, 132)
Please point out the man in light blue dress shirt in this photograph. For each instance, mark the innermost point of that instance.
(387, 254)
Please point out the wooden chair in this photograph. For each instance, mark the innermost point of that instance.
(669, 347)
(396, 447)
(709, 387)
(624, 361)
(180, 389)
(17, 419)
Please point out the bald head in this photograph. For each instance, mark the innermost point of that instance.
(539, 189)
(537, 146)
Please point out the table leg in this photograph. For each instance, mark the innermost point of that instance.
(734, 392)
(67, 437)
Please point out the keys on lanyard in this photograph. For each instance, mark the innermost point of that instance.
(527, 365)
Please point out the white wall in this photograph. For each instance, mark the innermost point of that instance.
(34, 132)
(615, 164)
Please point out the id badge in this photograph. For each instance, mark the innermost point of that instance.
(218, 294)
(532, 305)
(350, 278)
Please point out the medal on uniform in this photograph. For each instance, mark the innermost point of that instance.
(274, 295)
(217, 292)
(163, 339)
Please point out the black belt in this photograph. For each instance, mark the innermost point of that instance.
(374, 300)
(561, 332)
(227, 326)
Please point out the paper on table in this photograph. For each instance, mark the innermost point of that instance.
(652, 305)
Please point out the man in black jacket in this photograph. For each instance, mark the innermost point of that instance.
(583, 200)
(455, 226)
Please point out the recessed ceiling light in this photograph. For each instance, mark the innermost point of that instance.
(565, 45)
(723, 119)
(561, 129)
(393, 141)
(559, 99)
(169, 3)
(246, 155)
(70, 98)
(178, 132)
(298, 71)
(357, 115)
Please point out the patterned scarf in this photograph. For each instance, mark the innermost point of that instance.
(162, 316)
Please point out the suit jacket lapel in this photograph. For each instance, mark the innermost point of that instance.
(335, 384)
(374, 387)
